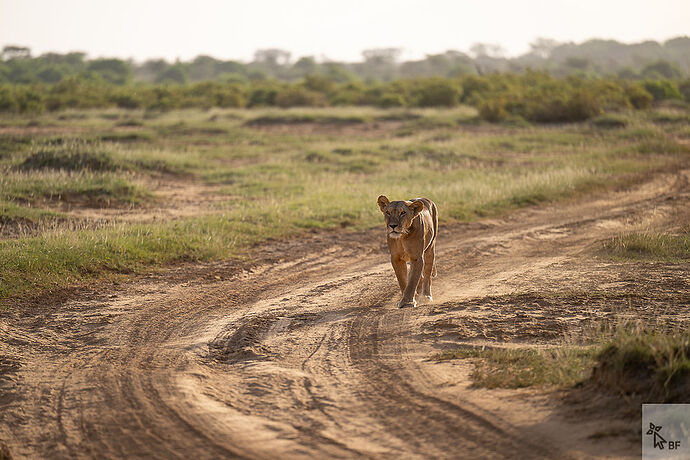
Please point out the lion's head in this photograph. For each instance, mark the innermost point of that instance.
(399, 215)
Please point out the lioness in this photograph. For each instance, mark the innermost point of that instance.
(412, 227)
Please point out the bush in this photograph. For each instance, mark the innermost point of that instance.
(533, 96)
(299, 97)
(493, 110)
(388, 100)
(662, 89)
(162, 98)
(80, 93)
(436, 92)
(684, 88)
(639, 97)
(29, 100)
(212, 94)
(125, 99)
(263, 95)
(8, 103)
(319, 83)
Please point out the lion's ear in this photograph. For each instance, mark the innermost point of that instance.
(416, 207)
(383, 202)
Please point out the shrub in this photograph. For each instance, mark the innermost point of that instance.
(298, 97)
(388, 100)
(263, 95)
(493, 110)
(639, 97)
(125, 99)
(662, 89)
(436, 92)
(8, 103)
(79, 93)
(162, 98)
(474, 89)
(319, 83)
(563, 107)
(29, 100)
(684, 88)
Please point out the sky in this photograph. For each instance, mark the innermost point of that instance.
(327, 29)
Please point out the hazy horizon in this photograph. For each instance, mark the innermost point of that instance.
(336, 31)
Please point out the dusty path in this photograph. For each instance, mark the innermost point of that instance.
(304, 354)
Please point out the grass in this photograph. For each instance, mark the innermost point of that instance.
(518, 368)
(640, 361)
(88, 188)
(279, 182)
(650, 246)
(629, 360)
(610, 121)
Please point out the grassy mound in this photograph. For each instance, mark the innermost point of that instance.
(654, 366)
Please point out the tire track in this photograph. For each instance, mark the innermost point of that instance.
(338, 371)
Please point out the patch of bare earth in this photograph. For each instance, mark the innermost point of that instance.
(373, 129)
(302, 353)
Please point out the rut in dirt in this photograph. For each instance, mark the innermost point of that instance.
(301, 355)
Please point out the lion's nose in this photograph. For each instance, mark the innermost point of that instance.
(392, 226)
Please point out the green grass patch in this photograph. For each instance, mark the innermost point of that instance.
(518, 368)
(70, 161)
(284, 182)
(87, 188)
(642, 362)
(629, 360)
(649, 246)
(11, 211)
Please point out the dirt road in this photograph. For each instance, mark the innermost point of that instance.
(303, 353)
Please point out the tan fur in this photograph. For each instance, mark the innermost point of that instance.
(412, 227)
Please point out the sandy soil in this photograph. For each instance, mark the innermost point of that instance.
(302, 353)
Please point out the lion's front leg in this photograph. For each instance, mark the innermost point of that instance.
(400, 268)
(412, 282)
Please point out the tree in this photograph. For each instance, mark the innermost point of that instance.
(662, 69)
(173, 74)
(272, 57)
(305, 65)
(15, 52)
(542, 47)
(381, 56)
(114, 71)
(488, 50)
(203, 68)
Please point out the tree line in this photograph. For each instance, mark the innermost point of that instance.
(593, 58)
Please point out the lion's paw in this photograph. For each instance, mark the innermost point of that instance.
(407, 303)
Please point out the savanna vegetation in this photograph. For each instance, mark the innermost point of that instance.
(536, 97)
(88, 194)
(554, 83)
(630, 360)
(593, 58)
